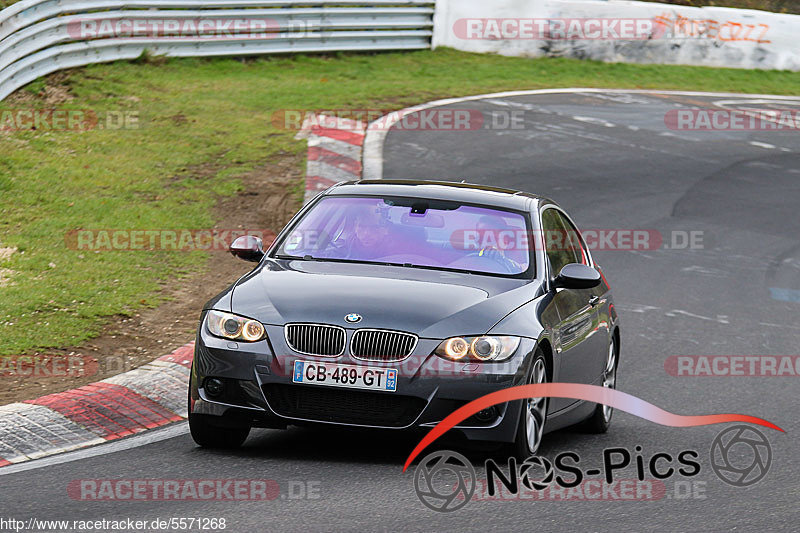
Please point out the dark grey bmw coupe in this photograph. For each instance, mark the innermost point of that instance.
(391, 303)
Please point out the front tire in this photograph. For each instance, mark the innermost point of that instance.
(600, 420)
(530, 429)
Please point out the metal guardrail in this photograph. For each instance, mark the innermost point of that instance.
(38, 37)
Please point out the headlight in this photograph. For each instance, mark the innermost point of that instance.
(484, 348)
(234, 327)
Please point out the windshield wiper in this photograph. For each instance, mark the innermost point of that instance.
(444, 269)
(309, 257)
(358, 261)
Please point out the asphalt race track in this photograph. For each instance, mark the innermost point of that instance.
(611, 162)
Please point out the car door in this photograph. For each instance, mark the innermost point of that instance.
(594, 333)
(577, 315)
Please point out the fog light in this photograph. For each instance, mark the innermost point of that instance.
(485, 415)
(214, 387)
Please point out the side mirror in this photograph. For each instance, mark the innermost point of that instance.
(248, 247)
(577, 276)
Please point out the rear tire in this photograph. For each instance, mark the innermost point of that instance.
(600, 420)
(208, 435)
(533, 415)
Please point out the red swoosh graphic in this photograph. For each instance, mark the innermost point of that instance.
(591, 393)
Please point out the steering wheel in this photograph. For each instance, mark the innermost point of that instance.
(495, 255)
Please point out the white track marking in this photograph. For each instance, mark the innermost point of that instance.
(376, 136)
(149, 437)
(593, 120)
(762, 145)
(721, 319)
(791, 100)
(782, 326)
(716, 272)
(636, 308)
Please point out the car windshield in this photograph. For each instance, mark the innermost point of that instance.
(412, 232)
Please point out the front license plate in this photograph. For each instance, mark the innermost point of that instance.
(351, 376)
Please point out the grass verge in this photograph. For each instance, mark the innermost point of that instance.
(201, 125)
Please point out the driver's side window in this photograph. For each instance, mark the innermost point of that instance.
(556, 244)
(573, 241)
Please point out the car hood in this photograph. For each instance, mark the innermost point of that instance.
(429, 303)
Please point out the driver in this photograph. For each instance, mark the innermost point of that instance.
(370, 238)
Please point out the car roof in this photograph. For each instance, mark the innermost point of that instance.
(470, 193)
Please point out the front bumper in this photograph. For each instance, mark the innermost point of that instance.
(259, 390)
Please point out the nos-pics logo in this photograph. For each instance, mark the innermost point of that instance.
(446, 481)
